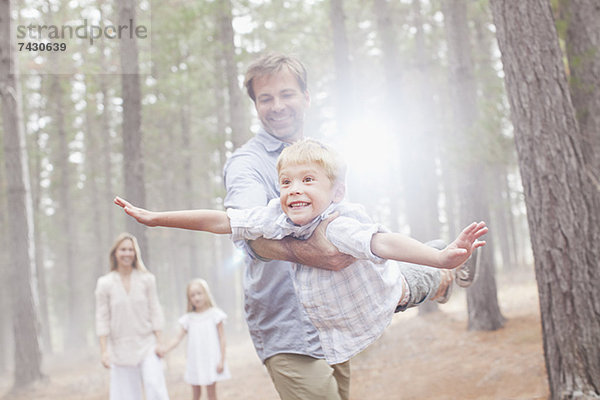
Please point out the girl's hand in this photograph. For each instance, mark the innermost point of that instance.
(160, 351)
(105, 360)
(220, 367)
(457, 252)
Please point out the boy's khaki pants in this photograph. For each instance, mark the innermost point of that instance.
(300, 377)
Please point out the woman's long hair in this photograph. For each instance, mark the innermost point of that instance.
(138, 263)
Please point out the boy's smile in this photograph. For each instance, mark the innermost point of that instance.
(306, 192)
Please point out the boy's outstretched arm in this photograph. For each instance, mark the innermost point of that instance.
(395, 246)
(198, 220)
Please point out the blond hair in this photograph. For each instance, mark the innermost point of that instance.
(209, 298)
(272, 63)
(138, 263)
(313, 152)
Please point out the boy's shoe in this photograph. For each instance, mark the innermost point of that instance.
(465, 274)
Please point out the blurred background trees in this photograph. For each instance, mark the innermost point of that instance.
(410, 91)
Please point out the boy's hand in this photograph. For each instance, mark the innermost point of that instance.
(141, 215)
(457, 252)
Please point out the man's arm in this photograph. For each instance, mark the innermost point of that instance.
(198, 220)
(316, 251)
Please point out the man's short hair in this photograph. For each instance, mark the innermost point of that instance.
(270, 64)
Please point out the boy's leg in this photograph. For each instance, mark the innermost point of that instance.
(425, 283)
(300, 377)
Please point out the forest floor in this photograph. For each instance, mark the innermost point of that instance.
(418, 357)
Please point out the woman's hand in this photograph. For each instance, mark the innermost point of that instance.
(105, 360)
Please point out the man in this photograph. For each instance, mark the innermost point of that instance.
(284, 338)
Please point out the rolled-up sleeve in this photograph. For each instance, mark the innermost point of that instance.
(102, 308)
(354, 238)
(244, 183)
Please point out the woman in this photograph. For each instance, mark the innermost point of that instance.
(128, 323)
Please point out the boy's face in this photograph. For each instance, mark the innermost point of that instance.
(280, 104)
(306, 192)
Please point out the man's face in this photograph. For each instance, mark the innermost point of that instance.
(280, 104)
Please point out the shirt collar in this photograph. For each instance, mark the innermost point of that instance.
(304, 231)
(271, 144)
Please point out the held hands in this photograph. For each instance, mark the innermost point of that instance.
(105, 360)
(160, 351)
(141, 215)
(457, 252)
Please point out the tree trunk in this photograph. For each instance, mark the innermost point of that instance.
(93, 172)
(73, 329)
(583, 44)
(562, 202)
(344, 105)
(133, 163)
(394, 92)
(45, 328)
(238, 122)
(503, 218)
(421, 179)
(107, 192)
(482, 300)
(5, 312)
(20, 216)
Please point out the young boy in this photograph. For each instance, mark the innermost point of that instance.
(350, 308)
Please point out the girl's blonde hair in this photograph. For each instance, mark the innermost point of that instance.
(138, 263)
(209, 297)
(313, 152)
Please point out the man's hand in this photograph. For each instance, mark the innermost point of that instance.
(317, 251)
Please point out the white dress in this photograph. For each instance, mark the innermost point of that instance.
(203, 348)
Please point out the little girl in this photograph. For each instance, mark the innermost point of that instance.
(206, 340)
